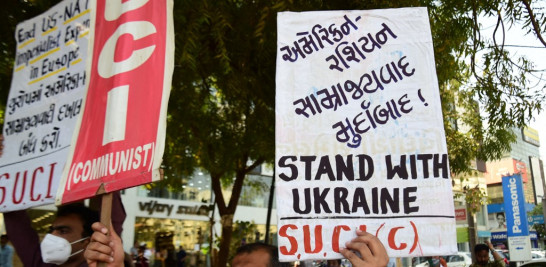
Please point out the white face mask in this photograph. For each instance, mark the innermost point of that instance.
(56, 250)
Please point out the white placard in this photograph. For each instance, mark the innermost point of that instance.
(44, 101)
(360, 141)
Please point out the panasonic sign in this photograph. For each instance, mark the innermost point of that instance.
(514, 206)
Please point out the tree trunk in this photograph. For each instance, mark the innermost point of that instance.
(227, 211)
(472, 233)
(227, 231)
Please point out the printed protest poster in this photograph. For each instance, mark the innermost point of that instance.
(119, 139)
(360, 142)
(45, 99)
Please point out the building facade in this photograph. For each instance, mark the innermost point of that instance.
(523, 159)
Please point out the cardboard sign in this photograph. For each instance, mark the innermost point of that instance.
(360, 142)
(45, 99)
(119, 139)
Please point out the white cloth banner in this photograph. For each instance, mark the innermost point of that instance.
(360, 142)
(45, 99)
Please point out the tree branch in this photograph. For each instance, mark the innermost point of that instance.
(536, 27)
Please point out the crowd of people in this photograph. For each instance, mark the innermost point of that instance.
(363, 251)
(165, 256)
(78, 239)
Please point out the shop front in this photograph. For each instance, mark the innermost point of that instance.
(184, 221)
(500, 238)
(167, 224)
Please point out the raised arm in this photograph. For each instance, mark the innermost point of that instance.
(496, 255)
(23, 237)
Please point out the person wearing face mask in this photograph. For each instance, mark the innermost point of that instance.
(365, 250)
(69, 233)
(68, 237)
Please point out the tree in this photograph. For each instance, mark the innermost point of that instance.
(227, 50)
(540, 228)
(221, 110)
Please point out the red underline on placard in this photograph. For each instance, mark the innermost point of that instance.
(366, 217)
(13, 163)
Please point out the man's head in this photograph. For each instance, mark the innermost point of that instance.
(73, 223)
(3, 240)
(256, 255)
(482, 254)
(333, 263)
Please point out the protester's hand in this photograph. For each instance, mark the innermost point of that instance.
(372, 252)
(104, 248)
(489, 245)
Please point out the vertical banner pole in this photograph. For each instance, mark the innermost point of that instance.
(106, 215)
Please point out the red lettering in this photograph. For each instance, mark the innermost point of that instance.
(32, 198)
(335, 236)
(363, 228)
(293, 241)
(378, 229)
(415, 239)
(23, 187)
(52, 169)
(307, 239)
(392, 234)
(3, 188)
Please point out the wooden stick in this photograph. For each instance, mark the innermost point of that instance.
(106, 215)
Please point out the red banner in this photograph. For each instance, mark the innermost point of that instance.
(119, 141)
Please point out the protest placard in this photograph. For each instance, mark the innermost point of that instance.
(119, 139)
(45, 98)
(360, 142)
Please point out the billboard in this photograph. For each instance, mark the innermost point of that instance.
(530, 136)
(506, 166)
(538, 179)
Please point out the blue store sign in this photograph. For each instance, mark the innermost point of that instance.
(535, 219)
(501, 236)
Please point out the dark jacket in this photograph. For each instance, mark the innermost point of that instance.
(27, 243)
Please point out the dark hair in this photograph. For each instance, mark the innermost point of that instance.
(271, 250)
(87, 215)
(481, 247)
(4, 236)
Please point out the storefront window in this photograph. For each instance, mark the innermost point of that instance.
(255, 192)
(159, 233)
(195, 188)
